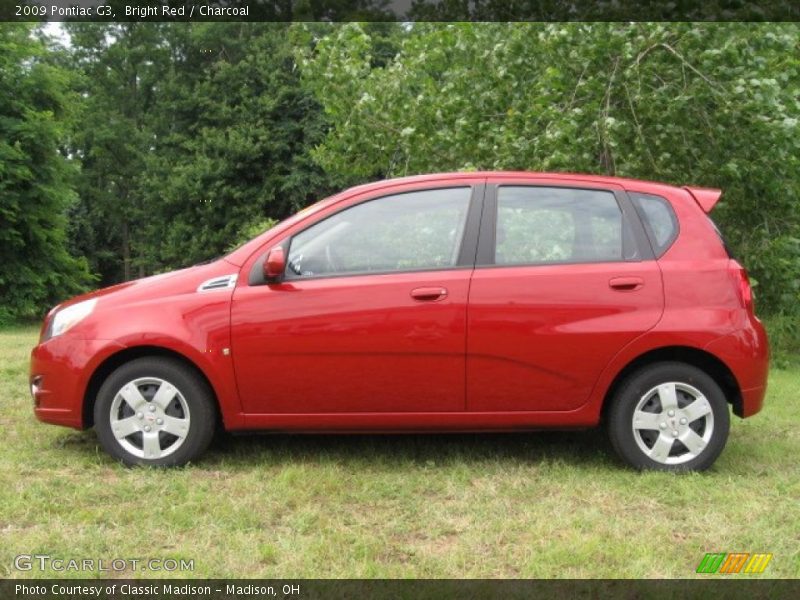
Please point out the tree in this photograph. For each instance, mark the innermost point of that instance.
(36, 270)
(707, 104)
(232, 137)
(189, 134)
(120, 67)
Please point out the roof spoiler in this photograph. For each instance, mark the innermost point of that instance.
(707, 198)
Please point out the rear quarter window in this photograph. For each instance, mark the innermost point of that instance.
(721, 238)
(658, 218)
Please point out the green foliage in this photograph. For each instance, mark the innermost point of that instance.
(189, 133)
(784, 339)
(233, 132)
(118, 67)
(707, 104)
(35, 192)
(251, 230)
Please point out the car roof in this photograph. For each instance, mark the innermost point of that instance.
(499, 175)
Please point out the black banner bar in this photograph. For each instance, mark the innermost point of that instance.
(731, 587)
(397, 10)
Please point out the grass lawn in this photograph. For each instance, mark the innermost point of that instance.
(519, 505)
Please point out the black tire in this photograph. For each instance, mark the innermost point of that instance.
(193, 396)
(638, 388)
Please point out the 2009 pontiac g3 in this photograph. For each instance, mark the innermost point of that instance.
(453, 302)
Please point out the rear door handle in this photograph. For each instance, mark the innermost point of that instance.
(625, 284)
(429, 294)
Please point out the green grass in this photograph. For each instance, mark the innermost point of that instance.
(519, 505)
(784, 339)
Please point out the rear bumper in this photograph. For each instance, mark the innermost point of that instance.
(59, 374)
(752, 402)
(746, 352)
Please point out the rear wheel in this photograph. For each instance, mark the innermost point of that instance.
(669, 417)
(154, 411)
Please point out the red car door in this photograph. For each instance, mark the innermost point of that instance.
(564, 279)
(371, 314)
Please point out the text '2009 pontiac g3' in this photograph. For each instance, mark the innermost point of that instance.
(452, 302)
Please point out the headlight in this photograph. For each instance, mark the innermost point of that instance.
(66, 318)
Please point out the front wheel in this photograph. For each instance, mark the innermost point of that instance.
(154, 411)
(669, 417)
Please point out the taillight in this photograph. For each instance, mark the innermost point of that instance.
(743, 283)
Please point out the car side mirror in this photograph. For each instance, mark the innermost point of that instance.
(275, 265)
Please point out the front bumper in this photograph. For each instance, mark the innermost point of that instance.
(59, 375)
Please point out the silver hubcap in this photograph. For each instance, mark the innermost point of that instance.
(149, 417)
(673, 423)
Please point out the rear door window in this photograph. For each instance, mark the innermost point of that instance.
(544, 225)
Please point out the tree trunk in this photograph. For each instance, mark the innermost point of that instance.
(126, 252)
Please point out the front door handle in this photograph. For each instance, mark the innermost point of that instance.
(429, 294)
(625, 284)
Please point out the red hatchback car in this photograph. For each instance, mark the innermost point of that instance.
(452, 302)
